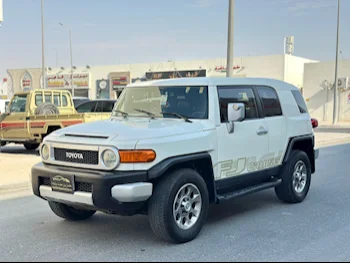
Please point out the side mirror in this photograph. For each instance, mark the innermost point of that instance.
(235, 113)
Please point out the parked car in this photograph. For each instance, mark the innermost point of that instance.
(34, 114)
(99, 105)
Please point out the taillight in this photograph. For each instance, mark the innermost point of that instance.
(314, 123)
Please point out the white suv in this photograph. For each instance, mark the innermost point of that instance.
(172, 147)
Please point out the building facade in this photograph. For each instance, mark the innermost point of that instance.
(108, 81)
(3, 88)
(319, 90)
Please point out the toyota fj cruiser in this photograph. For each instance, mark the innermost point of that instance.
(172, 147)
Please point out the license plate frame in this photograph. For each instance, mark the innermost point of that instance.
(63, 183)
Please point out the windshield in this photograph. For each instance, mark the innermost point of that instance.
(188, 101)
(19, 103)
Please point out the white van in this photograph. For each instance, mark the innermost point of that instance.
(3, 105)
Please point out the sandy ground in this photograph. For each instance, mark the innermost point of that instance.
(15, 164)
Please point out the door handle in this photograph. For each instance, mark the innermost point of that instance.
(261, 131)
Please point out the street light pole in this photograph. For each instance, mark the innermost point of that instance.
(56, 57)
(230, 38)
(43, 44)
(335, 104)
(71, 58)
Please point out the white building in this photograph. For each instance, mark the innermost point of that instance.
(3, 88)
(318, 90)
(107, 81)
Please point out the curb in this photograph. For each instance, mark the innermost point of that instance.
(10, 188)
(334, 142)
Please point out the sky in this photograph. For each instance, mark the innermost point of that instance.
(108, 32)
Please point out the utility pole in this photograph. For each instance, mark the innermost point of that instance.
(230, 38)
(56, 57)
(335, 104)
(71, 57)
(43, 44)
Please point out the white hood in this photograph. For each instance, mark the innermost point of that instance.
(135, 128)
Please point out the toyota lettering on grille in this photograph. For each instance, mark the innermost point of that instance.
(70, 155)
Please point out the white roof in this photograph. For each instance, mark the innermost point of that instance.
(206, 81)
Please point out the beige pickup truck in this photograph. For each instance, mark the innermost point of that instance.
(34, 114)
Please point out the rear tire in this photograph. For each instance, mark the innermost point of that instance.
(31, 146)
(47, 109)
(70, 213)
(296, 178)
(175, 214)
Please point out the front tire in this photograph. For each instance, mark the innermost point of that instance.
(179, 206)
(296, 178)
(70, 213)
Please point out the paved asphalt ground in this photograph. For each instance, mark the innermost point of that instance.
(257, 227)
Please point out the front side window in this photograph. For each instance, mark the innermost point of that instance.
(237, 94)
(19, 103)
(164, 102)
(270, 101)
(87, 107)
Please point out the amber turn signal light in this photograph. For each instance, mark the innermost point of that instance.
(137, 156)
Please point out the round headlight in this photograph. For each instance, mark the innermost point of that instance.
(109, 158)
(45, 152)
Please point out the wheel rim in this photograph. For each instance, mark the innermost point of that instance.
(187, 206)
(299, 177)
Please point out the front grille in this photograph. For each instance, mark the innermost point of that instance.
(81, 187)
(76, 156)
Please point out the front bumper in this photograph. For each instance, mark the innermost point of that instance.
(114, 192)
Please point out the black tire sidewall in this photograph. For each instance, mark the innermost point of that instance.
(189, 177)
(296, 157)
(31, 146)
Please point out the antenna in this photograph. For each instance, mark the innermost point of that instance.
(289, 45)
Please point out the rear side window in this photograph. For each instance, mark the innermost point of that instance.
(300, 101)
(270, 101)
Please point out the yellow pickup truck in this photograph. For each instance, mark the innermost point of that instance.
(34, 114)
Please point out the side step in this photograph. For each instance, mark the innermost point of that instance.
(248, 190)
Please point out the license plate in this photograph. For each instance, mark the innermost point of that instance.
(63, 183)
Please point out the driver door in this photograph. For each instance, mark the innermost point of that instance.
(240, 152)
(14, 126)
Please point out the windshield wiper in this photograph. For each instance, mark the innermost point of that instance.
(146, 112)
(122, 113)
(177, 115)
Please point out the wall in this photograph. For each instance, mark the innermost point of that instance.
(260, 66)
(294, 69)
(319, 101)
